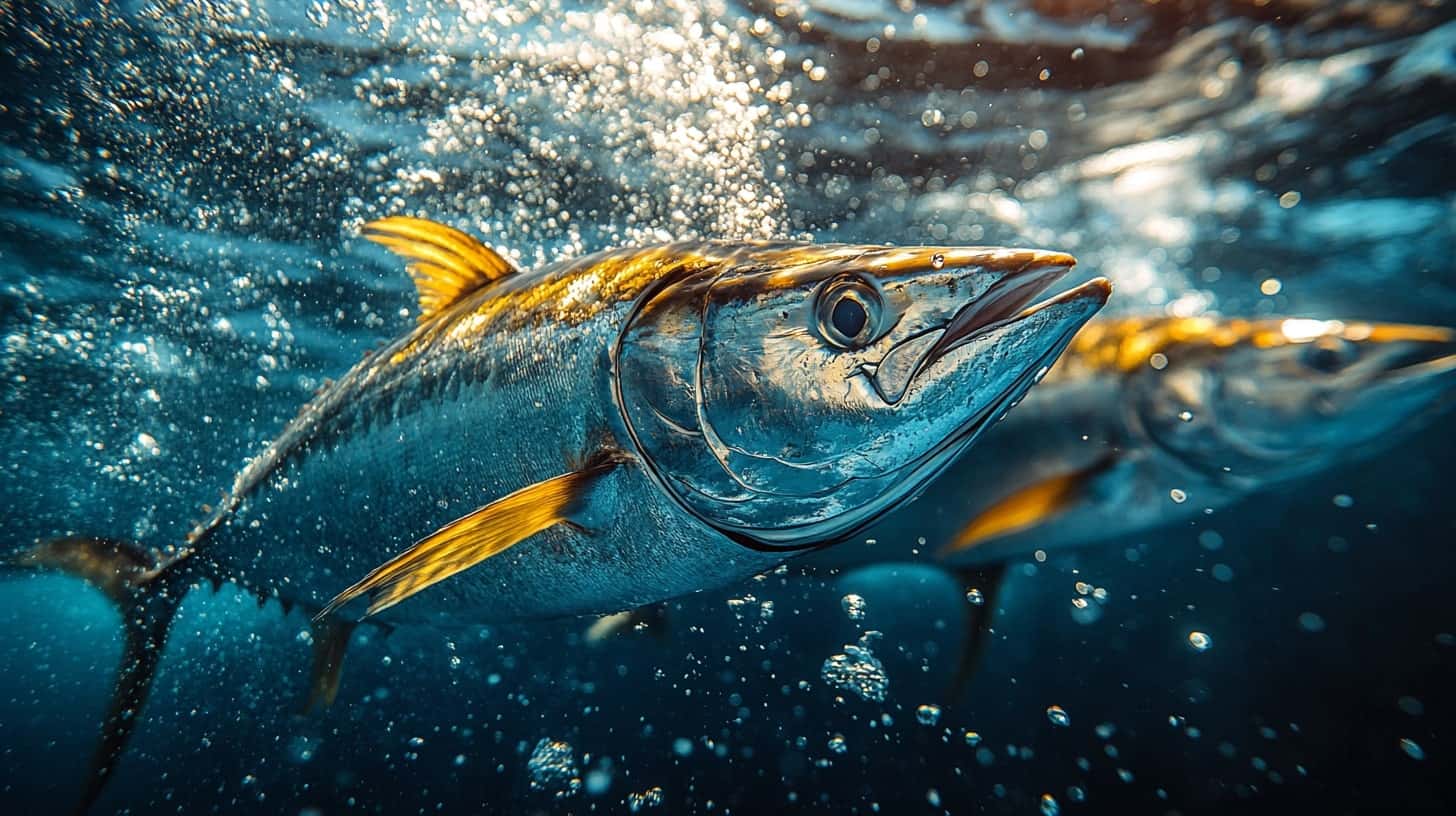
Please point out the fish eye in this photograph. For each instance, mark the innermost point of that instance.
(1329, 354)
(848, 312)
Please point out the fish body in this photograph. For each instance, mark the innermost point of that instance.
(600, 434)
(528, 379)
(511, 387)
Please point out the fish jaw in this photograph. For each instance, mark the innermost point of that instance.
(1056, 320)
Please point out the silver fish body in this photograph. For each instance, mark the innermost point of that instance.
(523, 382)
(598, 435)
(447, 435)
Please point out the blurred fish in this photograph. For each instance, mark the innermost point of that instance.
(1147, 422)
(601, 434)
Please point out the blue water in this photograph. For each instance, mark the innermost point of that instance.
(180, 187)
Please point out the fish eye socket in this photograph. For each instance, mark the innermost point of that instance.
(1329, 355)
(848, 313)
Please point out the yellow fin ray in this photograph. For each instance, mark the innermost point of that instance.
(471, 539)
(445, 263)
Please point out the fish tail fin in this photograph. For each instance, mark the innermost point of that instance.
(147, 592)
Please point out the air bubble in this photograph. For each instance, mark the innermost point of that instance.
(974, 597)
(1412, 750)
(1059, 716)
(854, 606)
(1311, 622)
(928, 714)
(1200, 641)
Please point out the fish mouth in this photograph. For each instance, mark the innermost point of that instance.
(1428, 373)
(1082, 303)
(1004, 302)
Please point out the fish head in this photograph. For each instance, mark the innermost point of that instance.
(1283, 397)
(790, 395)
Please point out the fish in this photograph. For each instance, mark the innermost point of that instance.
(597, 435)
(1147, 422)
(1151, 421)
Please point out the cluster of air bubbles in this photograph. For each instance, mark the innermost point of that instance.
(837, 744)
(650, 798)
(553, 768)
(857, 670)
(749, 609)
(302, 748)
(854, 606)
(1087, 603)
(646, 121)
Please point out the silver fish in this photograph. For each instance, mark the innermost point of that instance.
(602, 433)
(1146, 422)
(1149, 422)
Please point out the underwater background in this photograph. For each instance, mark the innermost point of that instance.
(181, 190)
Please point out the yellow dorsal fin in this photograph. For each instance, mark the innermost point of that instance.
(1026, 507)
(445, 263)
(471, 539)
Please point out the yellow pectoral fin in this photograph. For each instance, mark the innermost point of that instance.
(469, 540)
(1026, 507)
(446, 264)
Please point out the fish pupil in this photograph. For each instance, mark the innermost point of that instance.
(1327, 357)
(849, 317)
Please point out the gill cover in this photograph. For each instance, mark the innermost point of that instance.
(692, 368)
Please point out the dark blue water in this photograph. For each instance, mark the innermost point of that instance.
(180, 187)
